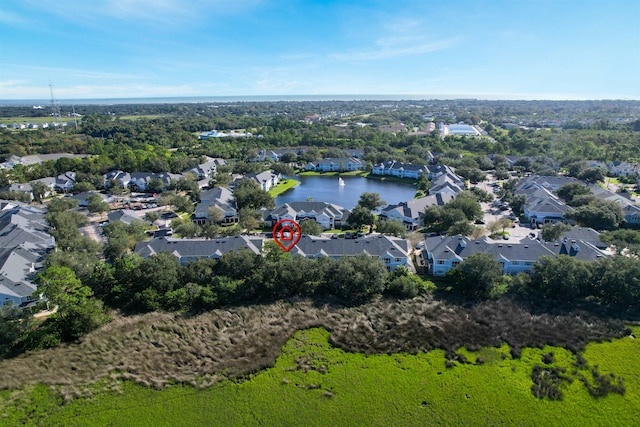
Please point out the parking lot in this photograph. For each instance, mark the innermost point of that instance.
(493, 213)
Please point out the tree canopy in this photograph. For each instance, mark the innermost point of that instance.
(248, 194)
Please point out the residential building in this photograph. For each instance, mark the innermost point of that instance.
(328, 215)
(207, 169)
(623, 168)
(399, 169)
(19, 188)
(448, 182)
(121, 177)
(266, 180)
(50, 182)
(344, 164)
(187, 250)
(264, 155)
(24, 244)
(542, 206)
(411, 213)
(126, 216)
(443, 253)
(393, 251)
(140, 180)
(220, 198)
(632, 214)
(552, 183)
(37, 159)
(65, 182)
(82, 197)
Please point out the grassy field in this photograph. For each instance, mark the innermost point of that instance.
(313, 383)
(39, 120)
(283, 186)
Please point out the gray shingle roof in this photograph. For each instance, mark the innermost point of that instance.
(376, 245)
(24, 242)
(124, 215)
(198, 248)
(461, 247)
(293, 208)
(415, 208)
(218, 196)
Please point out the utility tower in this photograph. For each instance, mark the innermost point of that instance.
(55, 110)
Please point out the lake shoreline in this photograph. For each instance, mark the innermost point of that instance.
(325, 187)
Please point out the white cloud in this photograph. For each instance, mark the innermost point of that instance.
(11, 18)
(142, 12)
(396, 47)
(70, 73)
(22, 90)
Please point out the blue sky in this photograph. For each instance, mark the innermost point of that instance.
(493, 49)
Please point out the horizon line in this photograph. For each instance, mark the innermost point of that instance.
(299, 97)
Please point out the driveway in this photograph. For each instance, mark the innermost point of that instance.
(93, 232)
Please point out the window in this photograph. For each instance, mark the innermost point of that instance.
(440, 262)
(454, 264)
(398, 260)
(515, 262)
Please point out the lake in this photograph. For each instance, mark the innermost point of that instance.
(327, 189)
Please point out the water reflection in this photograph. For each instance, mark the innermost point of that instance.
(328, 189)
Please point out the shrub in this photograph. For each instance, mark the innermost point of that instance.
(548, 358)
(603, 384)
(547, 381)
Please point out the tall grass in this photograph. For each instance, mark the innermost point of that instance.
(158, 349)
(313, 383)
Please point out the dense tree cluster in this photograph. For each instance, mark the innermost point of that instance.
(611, 281)
(455, 216)
(160, 282)
(598, 214)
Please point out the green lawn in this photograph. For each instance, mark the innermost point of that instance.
(283, 186)
(314, 384)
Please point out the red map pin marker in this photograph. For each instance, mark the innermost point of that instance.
(286, 233)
